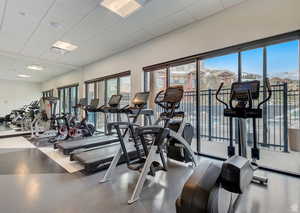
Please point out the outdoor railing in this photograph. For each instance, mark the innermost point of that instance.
(279, 113)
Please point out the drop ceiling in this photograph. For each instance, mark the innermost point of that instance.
(29, 28)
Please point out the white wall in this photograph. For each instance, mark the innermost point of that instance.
(72, 77)
(251, 20)
(14, 94)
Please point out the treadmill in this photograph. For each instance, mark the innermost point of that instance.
(99, 158)
(69, 146)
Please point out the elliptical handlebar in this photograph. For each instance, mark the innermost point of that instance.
(250, 99)
(217, 95)
(171, 99)
(125, 108)
(268, 87)
(157, 101)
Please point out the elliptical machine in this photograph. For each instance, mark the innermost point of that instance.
(154, 139)
(214, 188)
(175, 121)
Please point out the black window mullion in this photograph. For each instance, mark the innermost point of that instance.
(168, 76)
(265, 74)
(105, 102)
(198, 105)
(76, 101)
(239, 66)
(118, 86)
(70, 99)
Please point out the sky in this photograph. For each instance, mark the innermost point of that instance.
(281, 58)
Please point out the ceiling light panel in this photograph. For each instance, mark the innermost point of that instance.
(58, 51)
(65, 46)
(123, 7)
(35, 67)
(24, 76)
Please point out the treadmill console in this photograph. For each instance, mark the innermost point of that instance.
(115, 100)
(93, 106)
(82, 102)
(140, 99)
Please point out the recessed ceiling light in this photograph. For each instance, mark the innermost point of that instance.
(35, 67)
(55, 25)
(64, 46)
(122, 7)
(22, 13)
(24, 76)
(58, 51)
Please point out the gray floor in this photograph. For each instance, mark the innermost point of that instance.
(42, 187)
(279, 160)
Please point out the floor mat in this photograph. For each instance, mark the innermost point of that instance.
(15, 143)
(62, 160)
(11, 133)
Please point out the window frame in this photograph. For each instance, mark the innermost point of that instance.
(104, 79)
(261, 43)
(62, 92)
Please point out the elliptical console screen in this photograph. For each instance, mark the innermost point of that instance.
(239, 90)
(141, 98)
(173, 94)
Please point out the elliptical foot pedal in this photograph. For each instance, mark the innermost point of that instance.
(136, 167)
(157, 166)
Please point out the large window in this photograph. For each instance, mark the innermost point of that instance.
(183, 74)
(213, 126)
(103, 89)
(48, 93)
(278, 62)
(68, 98)
(125, 89)
(252, 65)
(274, 58)
(154, 82)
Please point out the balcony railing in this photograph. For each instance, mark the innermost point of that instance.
(279, 113)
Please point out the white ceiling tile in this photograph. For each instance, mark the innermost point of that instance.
(97, 31)
(93, 25)
(46, 35)
(170, 23)
(204, 8)
(230, 3)
(2, 11)
(11, 66)
(155, 10)
(17, 27)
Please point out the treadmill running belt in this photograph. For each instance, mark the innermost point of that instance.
(100, 158)
(94, 155)
(69, 146)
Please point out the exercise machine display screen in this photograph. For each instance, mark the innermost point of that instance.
(141, 98)
(239, 90)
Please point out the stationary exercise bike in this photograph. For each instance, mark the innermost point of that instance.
(212, 187)
(83, 128)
